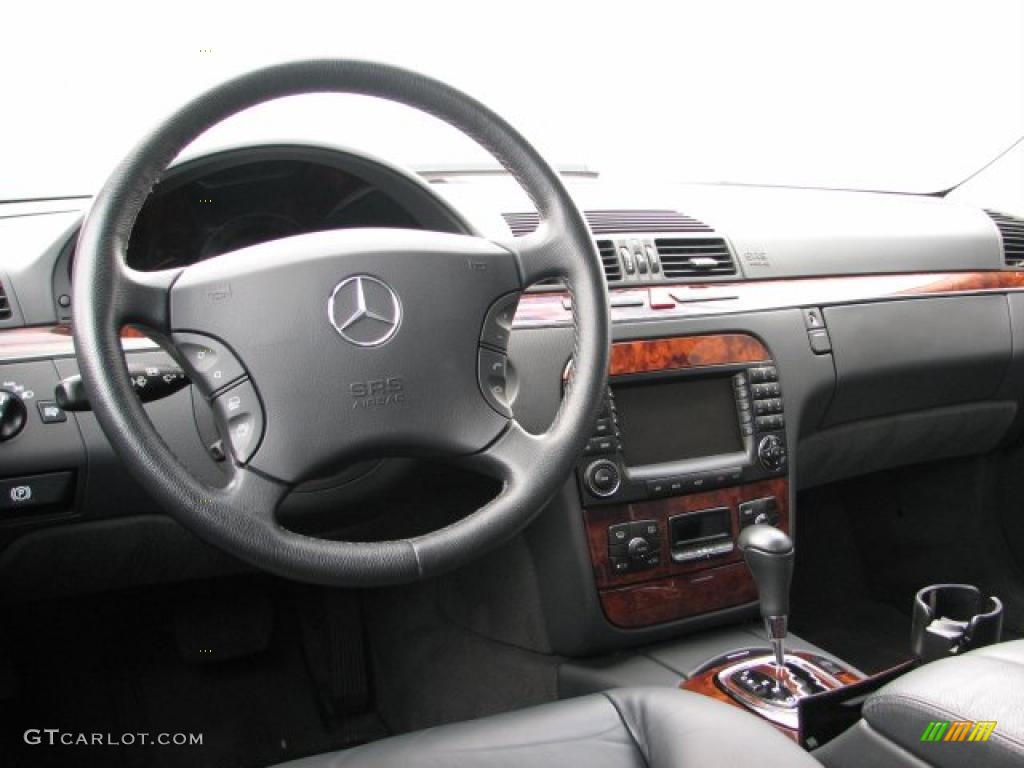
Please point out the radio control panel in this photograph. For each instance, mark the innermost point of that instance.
(757, 413)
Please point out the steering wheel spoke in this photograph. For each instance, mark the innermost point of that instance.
(144, 297)
(542, 255)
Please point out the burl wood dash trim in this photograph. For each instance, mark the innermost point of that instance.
(685, 352)
(673, 590)
(706, 684)
(56, 341)
(709, 299)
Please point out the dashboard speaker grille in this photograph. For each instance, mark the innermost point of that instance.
(1012, 230)
(5, 305)
(694, 257)
(616, 222)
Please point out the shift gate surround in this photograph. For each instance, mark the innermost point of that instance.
(306, 380)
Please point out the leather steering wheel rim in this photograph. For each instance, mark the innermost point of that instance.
(240, 516)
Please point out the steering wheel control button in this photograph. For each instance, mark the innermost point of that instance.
(212, 364)
(240, 416)
(498, 324)
(13, 414)
(50, 412)
(30, 493)
(492, 372)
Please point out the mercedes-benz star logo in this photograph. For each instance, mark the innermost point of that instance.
(364, 310)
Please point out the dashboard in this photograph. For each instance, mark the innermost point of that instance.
(764, 341)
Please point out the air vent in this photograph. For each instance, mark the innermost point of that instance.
(617, 221)
(1012, 230)
(610, 260)
(5, 305)
(694, 257)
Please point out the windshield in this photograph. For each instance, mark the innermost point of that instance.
(909, 96)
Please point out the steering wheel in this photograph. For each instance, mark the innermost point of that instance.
(334, 346)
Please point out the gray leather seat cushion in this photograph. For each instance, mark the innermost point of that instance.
(984, 685)
(626, 728)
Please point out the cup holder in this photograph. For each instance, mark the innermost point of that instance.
(951, 619)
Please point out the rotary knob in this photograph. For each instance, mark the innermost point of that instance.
(772, 452)
(603, 477)
(13, 414)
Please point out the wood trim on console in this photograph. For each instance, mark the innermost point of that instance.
(673, 590)
(706, 684)
(685, 352)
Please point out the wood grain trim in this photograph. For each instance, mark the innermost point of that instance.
(685, 352)
(598, 519)
(697, 300)
(673, 591)
(56, 341)
(679, 597)
(706, 685)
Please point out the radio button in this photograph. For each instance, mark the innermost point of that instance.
(769, 423)
(763, 374)
(657, 487)
(763, 407)
(767, 390)
(601, 445)
(771, 452)
(603, 479)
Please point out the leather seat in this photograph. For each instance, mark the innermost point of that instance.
(625, 728)
(985, 685)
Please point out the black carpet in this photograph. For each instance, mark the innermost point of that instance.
(113, 665)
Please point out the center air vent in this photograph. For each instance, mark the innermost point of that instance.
(610, 260)
(617, 222)
(694, 257)
(1012, 230)
(5, 305)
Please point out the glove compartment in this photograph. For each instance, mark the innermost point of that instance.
(912, 355)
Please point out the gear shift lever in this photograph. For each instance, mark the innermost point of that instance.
(769, 555)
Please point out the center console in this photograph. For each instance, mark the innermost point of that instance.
(688, 450)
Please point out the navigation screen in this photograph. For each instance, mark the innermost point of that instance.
(677, 419)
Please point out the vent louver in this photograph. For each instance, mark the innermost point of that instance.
(5, 305)
(610, 260)
(616, 221)
(1012, 230)
(694, 257)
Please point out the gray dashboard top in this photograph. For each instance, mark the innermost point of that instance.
(774, 232)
